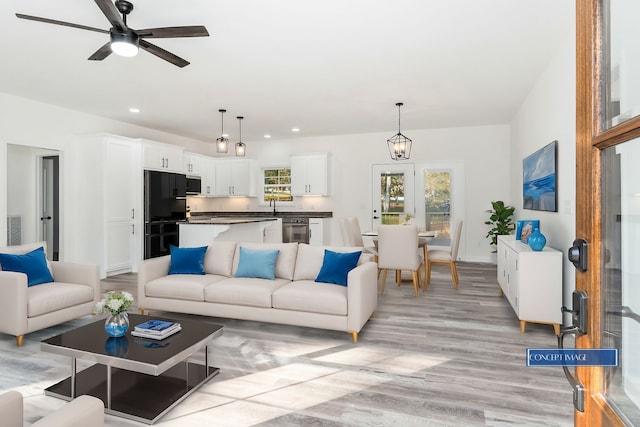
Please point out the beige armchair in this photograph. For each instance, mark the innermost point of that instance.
(24, 309)
(80, 412)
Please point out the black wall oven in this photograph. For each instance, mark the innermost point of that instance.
(165, 205)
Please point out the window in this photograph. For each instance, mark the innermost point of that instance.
(437, 201)
(277, 185)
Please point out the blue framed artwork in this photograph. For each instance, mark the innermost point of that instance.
(525, 227)
(539, 179)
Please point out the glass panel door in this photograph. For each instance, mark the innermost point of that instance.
(621, 276)
(620, 63)
(437, 201)
(393, 193)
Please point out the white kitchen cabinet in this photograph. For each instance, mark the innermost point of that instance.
(163, 157)
(193, 164)
(318, 231)
(309, 174)
(531, 281)
(110, 222)
(235, 177)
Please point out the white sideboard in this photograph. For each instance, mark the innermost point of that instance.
(531, 281)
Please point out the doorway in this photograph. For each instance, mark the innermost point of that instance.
(393, 193)
(33, 194)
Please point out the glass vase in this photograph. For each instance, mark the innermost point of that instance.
(117, 325)
(537, 240)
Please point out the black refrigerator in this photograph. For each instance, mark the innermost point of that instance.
(165, 206)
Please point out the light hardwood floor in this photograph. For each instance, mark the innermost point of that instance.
(447, 358)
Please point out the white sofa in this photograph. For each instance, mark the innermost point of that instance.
(83, 411)
(74, 292)
(293, 297)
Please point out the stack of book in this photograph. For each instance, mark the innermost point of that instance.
(156, 329)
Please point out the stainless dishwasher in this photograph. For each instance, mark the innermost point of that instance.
(295, 230)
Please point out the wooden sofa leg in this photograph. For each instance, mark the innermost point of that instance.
(19, 340)
(355, 336)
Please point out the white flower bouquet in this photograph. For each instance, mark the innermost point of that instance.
(115, 303)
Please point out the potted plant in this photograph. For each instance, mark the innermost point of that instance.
(500, 221)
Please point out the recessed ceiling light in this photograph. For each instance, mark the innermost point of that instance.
(295, 129)
(266, 135)
(134, 110)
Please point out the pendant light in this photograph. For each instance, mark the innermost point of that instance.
(222, 143)
(399, 145)
(241, 147)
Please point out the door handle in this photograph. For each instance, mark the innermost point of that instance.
(578, 327)
(42, 218)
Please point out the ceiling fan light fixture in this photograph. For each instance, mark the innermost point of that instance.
(399, 145)
(124, 42)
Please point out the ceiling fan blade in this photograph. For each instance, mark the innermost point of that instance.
(101, 53)
(66, 24)
(170, 32)
(161, 53)
(109, 9)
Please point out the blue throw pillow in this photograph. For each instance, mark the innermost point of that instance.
(257, 263)
(336, 266)
(33, 264)
(187, 260)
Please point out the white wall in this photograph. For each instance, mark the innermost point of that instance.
(482, 152)
(547, 114)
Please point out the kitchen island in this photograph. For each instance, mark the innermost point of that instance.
(201, 231)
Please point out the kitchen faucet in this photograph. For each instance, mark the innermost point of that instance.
(273, 199)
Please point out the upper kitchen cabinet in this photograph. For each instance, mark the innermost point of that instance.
(162, 157)
(236, 177)
(309, 176)
(193, 164)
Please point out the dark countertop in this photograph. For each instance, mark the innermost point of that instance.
(262, 214)
(227, 221)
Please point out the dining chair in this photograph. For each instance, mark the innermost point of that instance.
(356, 233)
(398, 250)
(446, 255)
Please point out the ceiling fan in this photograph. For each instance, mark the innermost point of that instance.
(124, 40)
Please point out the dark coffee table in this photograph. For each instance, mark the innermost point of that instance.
(137, 378)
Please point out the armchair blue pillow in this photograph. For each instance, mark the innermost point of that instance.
(336, 266)
(33, 264)
(187, 260)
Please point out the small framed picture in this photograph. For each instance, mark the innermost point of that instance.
(525, 227)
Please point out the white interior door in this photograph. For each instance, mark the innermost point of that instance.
(393, 193)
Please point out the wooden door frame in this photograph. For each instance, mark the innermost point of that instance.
(589, 142)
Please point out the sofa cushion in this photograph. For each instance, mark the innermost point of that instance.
(33, 264)
(219, 258)
(243, 291)
(188, 287)
(312, 297)
(336, 266)
(286, 262)
(187, 260)
(54, 296)
(23, 249)
(310, 258)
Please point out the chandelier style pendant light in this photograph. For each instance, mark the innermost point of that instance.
(222, 143)
(399, 145)
(241, 147)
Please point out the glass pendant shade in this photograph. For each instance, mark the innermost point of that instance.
(222, 143)
(241, 147)
(399, 145)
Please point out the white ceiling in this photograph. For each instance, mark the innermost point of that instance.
(328, 67)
